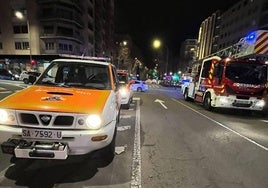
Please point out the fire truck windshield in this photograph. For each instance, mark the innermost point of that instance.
(248, 73)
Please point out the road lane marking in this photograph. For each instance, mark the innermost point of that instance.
(16, 84)
(161, 102)
(220, 124)
(136, 163)
(125, 116)
(123, 128)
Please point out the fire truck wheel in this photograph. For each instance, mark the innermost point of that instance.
(207, 102)
(185, 95)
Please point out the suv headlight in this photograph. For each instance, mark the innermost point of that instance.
(93, 121)
(8, 117)
(123, 91)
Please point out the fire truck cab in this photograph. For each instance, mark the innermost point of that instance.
(237, 81)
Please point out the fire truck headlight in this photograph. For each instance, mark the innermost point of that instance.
(93, 121)
(260, 103)
(7, 117)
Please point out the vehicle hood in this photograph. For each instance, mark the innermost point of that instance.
(57, 99)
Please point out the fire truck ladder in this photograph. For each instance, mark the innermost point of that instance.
(254, 45)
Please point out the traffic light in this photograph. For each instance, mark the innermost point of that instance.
(175, 77)
(33, 62)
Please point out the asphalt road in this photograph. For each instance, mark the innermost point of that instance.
(162, 141)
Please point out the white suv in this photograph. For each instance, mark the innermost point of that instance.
(73, 108)
(126, 93)
(24, 76)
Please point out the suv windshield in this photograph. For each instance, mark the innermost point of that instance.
(76, 74)
(248, 73)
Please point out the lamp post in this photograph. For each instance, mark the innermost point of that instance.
(156, 45)
(20, 16)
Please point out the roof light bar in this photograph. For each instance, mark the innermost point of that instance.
(106, 59)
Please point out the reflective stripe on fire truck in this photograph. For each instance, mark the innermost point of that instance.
(261, 45)
(210, 73)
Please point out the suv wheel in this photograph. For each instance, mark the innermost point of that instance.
(26, 81)
(105, 156)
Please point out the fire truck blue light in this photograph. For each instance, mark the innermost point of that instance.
(251, 37)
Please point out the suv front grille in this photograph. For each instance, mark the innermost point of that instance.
(29, 119)
(43, 119)
(64, 120)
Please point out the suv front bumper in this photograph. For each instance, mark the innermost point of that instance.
(73, 142)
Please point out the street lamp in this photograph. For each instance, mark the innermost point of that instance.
(21, 16)
(157, 44)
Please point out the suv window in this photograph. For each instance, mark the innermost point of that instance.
(76, 74)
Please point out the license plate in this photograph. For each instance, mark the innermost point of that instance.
(42, 134)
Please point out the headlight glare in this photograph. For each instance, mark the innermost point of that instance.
(8, 117)
(260, 103)
(93, 121)
(3, 116)
(123, 91)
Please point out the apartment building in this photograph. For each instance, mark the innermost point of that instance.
(188, 53)
(32, 32)
(226, 27)
(242, 18)
(207, 35)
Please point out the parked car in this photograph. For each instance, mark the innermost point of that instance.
(139, 85)
(6, 74)
(24, 76)
(126, 94)
(72, 108)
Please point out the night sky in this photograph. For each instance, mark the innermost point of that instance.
(172, 21)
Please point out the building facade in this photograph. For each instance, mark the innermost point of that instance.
(46, 28)
(208, 35)
(188, 54)
(242, 18)
(225, 28)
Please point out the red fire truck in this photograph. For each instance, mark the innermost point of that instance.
(238, 80)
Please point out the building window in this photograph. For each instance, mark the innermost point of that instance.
(65, 47)
(1, 46)
(22, 45)
(48, 30)
(49, 46)
(18, 46)
(18, 29)
(70, 47)
(64, 31)
(25, 45)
